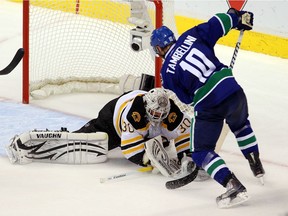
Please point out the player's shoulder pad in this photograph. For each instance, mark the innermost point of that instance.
(174, 117)
(137, 113)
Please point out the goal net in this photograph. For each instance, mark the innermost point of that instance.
(84, 45)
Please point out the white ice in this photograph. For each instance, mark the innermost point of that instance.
(39, 189)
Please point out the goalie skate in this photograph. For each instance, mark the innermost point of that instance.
(236, 194)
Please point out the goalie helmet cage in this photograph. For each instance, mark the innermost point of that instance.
(85, 43)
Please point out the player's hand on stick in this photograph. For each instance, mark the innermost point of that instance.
(188, 166)
(246, 19)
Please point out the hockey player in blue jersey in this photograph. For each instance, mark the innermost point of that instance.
(196, 75)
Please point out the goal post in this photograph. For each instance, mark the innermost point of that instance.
(84, 45)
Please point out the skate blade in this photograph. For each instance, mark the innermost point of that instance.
(261, 180)
(228, 203)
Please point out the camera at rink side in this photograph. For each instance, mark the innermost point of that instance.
(139, 36)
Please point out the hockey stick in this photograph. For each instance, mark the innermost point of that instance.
(225, 128)
(177, 183)
(237, 47)
(122, 176)
(15, 61)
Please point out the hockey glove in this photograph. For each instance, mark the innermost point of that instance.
(159, 158)
(187, 166)
(245, 19)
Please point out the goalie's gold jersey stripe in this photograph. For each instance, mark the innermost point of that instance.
(134, 150)
(185, 145)
(184, 136)
(132, 140)
(253, 41)
(182, 147)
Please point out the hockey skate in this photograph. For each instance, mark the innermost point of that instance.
(236, 194)
(255, 164)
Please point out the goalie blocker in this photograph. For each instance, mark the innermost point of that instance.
(58, 147)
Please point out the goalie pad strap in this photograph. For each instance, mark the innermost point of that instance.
(59, 147)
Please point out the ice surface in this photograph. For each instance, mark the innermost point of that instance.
(39, 189)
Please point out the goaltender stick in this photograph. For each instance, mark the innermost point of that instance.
(149, 128)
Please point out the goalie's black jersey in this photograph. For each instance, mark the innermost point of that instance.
(134, 129)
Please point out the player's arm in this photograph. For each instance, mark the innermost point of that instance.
(220, 24)
(145, 152)
(177, 127)
(182, 145)
(132, 145)
(182, 141)
(163, 162)
(134, 128)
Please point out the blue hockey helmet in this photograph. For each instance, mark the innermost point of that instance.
(162, 37)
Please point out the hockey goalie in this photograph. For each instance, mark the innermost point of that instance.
(148, 127)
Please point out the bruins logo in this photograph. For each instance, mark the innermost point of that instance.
(136, 116)
(172, 117)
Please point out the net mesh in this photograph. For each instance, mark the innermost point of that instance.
(84, 46)
(87, 41)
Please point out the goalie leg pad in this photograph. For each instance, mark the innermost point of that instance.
(58, 147)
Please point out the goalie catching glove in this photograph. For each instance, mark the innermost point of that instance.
(169, 166)
(59, 147)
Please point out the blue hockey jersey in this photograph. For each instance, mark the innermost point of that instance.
(192, 70)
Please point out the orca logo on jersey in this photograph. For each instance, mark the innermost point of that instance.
(136, 116)
(172, 117)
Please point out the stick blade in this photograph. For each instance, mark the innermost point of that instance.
(177, 183)
(15, 61)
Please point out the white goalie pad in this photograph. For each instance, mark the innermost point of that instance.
(160, 158)
(58, 147)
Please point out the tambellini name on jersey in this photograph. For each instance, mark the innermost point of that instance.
(179, 52)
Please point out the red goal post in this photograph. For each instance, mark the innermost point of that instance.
(86, 43)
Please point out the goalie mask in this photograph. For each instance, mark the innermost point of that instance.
(157, 104)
